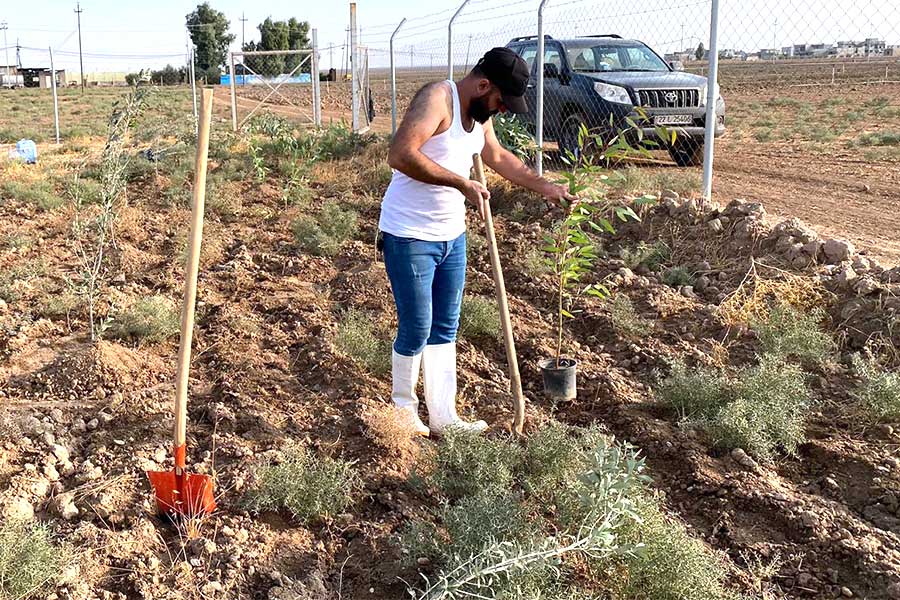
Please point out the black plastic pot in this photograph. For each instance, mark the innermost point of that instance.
(559, 380)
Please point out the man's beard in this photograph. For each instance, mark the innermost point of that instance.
(479, 110)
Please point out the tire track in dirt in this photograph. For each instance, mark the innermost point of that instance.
(863, 205)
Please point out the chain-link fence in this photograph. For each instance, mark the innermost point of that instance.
(804, 107)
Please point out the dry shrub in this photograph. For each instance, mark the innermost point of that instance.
(391, 428)
(212, 248)
(757, 295)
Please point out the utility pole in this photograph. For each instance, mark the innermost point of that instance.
(243, 21)
(347, 63)
(4, 27)
(78, 12)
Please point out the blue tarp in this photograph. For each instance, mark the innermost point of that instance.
(257, 80)
(27, 151)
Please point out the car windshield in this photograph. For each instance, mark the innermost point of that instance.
(615, 58)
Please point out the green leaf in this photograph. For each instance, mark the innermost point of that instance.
(625, 212)
(566, 313)
(596, 292)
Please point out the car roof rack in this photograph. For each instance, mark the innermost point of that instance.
(529, 37)
(606, 35)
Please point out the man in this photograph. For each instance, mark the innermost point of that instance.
(423, 222)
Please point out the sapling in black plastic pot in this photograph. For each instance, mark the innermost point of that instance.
(571, 251)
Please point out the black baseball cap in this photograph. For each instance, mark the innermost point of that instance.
(506, 69)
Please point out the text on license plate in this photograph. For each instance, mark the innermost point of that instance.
(673, 119)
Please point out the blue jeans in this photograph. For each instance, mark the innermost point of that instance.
(427, 280)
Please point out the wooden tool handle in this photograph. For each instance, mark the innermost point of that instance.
(192, 267)
(515, 381)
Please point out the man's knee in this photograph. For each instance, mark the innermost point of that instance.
(443, 332)
(411, 340)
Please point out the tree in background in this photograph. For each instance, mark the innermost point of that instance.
(169, 75)
(166, 76)
(700, 52)
(279, 35)
(209, 32)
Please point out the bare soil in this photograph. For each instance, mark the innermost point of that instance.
(265, 371)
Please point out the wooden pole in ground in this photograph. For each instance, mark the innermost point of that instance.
(515, 382)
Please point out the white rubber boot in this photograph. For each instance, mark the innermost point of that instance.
(404, 377)
(439, 364)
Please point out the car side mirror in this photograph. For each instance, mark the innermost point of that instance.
(551, 71)
(677, 65)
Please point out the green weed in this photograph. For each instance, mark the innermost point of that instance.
(306, 485)
(357, 339)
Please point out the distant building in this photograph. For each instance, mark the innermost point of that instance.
(875, 47)
(683, 56)
(812, 50)
(9, 76)
(854, 49)
(787, 51)
(769, 53)
(892, 51)
(40, 77)
(727, 54)
(46, 82)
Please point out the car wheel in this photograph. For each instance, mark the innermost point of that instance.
(687, 152)
(568, 139)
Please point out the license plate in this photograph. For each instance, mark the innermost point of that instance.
(673, 119)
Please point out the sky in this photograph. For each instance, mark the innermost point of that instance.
(125, 35)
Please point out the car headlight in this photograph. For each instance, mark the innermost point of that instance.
(613, 93)
(705, 89)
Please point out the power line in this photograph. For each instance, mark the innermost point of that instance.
(107, 55)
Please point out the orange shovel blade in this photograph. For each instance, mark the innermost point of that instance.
(194, 497)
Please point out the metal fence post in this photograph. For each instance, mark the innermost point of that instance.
(394, 81)
(711, 85)
(194, 87)
(233, 94)
(450, 40)
(539, 109)
(55, 99)
(354, 59)
(314, 77)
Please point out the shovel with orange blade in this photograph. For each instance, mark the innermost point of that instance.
(179, 492)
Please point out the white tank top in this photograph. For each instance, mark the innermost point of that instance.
(433, 213)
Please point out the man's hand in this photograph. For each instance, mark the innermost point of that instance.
(556, 193)
(477, 194)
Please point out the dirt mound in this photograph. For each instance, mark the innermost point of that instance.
(85, 369)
